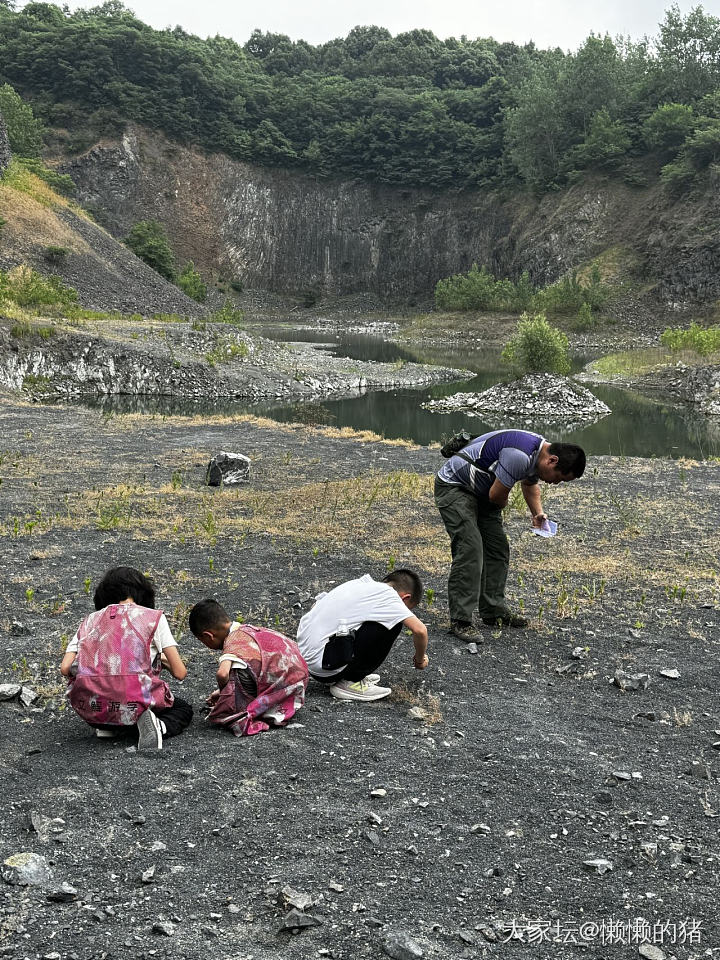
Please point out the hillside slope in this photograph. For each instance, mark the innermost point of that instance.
(52, 235)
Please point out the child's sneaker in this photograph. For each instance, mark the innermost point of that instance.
(106, 734)
(358, 690)
(149, 732)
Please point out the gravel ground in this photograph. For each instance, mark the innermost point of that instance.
(442, 837)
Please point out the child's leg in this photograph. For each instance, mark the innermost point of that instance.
(176, 718)
(373, 643)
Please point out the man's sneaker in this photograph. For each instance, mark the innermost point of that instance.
(464, 631)
(106, 734)
(358, 690)
(506, 620)
(149, 732)
(372, 678)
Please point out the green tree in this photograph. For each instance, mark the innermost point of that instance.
(668, 125)
(605, 143)
(148, 240)
(537, 347)
(25, 133)
(191, 283)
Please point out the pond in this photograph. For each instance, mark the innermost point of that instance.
(637, 426)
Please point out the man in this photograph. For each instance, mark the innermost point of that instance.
(470, 491)
(350, 631)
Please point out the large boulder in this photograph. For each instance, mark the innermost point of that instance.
(228, 469)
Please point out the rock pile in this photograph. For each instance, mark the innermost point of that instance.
(534, 399)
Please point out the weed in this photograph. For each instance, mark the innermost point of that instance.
(429, 596)
(682, 719)
(29, 594)
(427, 702)
(86, 586)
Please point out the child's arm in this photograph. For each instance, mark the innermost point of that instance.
(174, 664)
(223, 672)
(67, 662)
(420, 639)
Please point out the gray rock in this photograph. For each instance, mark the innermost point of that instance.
(631, 681)
(164, 927)
(372, 837)
(296, 920)
(5, 153)
(62, 894)
(8, 691)
(228, 469)
(472, 648)
(599, 865)
(416, 713)
(400, 946)
(18, 629)
(28, 696)
(650, 951)
(670, 673)
(148, 876)
(289, 897)
(26, 870)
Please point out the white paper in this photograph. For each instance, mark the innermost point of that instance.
(548, 529)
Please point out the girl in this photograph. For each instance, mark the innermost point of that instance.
(114, 660)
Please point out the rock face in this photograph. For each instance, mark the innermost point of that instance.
(284, 231)
(535, 398)
(5, 154)
(288, 232)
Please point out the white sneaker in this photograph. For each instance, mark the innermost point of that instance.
(372, 678)
(149, 732)
(106, 734)
(358, 690)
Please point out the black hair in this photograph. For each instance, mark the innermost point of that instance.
(207, 615)
(122, 582)
(408, 581)
(571, 458)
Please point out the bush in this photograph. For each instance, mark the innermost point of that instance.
(236, 285)
(55, 254)
(191, 283)
(60, 182)
(475, 290)
(585, 319)
(148, 240)
(702, 340)
(26, 288)
(228, 314)
(537, 347)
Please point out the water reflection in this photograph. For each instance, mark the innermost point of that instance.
(637, 427)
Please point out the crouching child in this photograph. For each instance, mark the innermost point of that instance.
(261, 678)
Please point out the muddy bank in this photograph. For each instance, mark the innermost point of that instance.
(530, 764)
(198, 361)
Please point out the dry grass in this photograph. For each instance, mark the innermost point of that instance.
(428, 702)
(32, 216)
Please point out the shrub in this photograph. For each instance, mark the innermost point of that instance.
(475, 290)
(148, 240)
(236, 285)
(191, 283)
(27, 288)
(228, 314)
(60, 182)
(55, 254)
(702, 340)
(25, 133)
(585, 318)
(537, 347)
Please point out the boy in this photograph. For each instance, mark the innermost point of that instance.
(350, 631)
(261, 678)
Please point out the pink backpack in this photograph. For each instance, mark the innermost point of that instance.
(116, 679)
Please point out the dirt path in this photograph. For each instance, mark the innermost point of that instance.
(536, 762)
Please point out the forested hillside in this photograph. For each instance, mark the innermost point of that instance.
(410, 109)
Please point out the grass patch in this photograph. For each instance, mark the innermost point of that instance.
(630, 363)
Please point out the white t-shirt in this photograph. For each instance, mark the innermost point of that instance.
(231, 656)
(162, 638)
(356, 602)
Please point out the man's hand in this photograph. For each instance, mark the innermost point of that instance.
(422, 662)
(539, 519)
(213, 698)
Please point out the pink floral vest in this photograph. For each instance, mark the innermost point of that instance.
(116, 679)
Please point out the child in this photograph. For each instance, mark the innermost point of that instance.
(114, 660)
(350, 631)
(261, 677)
